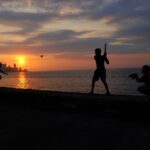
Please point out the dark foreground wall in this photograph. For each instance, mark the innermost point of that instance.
(74, 102)
(33, 119)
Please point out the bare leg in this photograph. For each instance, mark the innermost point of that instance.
(106, 86)
(93, 85)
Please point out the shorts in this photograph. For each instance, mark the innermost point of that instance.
(99, 74)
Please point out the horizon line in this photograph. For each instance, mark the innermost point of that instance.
(81, 69)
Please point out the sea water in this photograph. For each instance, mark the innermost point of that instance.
(73, 81)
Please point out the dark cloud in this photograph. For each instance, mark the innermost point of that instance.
(58, 41)
(56, 36)
(131, 18)
(121, 10)
(73, 45)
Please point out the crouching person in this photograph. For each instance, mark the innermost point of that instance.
(145, 88)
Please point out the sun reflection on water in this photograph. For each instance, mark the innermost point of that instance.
(22, 81)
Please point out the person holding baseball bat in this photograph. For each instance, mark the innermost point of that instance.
(100, 72)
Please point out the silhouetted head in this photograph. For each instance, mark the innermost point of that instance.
(0, 65)
(98, 51)
(145, 69)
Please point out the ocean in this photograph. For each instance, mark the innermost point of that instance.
(73, 81)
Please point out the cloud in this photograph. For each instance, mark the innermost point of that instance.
(56, 36)
(131, 18)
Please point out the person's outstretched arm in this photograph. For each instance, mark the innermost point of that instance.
(136, 77)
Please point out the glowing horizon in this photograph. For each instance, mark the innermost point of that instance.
(56, 62)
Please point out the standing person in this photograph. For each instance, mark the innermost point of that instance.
(100, 71)
(145, 88)
(1, 71)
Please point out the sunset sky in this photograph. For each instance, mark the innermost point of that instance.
(66, 32)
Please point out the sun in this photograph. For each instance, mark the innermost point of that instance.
(21, 60)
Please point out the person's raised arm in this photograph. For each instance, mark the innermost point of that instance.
(106, 60)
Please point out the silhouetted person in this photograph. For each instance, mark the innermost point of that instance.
(100, 71)
(1, 71)
(145, 88)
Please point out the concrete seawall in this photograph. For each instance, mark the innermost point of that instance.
(75, 102)
(32, 119)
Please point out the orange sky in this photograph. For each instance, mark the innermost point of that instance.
(53, 62)
(67, 33)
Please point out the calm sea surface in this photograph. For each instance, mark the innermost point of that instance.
(72, 81)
